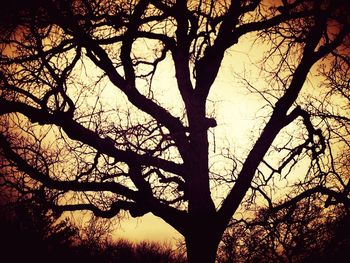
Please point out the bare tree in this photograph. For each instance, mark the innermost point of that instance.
(131, 151)
(303, 232)
(95, 233)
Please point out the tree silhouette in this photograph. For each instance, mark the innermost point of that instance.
(30, 231)
(62, 136)
(303, 232)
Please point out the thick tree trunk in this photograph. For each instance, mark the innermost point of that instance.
(201, 248)
(202, 235)
(202, 240)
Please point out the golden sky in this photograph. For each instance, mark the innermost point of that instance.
(239, 114)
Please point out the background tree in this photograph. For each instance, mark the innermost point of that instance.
(304, 232)
(85, 125)
(30, 231)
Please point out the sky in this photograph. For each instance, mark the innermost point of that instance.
(236, 109)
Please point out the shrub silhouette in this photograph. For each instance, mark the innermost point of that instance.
(143, 252)
(300, 234)
(31, 233)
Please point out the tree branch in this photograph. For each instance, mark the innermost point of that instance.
(62, 185)
(339, 197)
(76, 131)
(277, 121)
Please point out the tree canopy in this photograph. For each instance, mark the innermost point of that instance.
(104, 106)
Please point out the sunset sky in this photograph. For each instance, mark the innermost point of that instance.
(234, 101)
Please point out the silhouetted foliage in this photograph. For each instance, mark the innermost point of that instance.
(304, 232)
(104, 106)
(31, 233)
(125, 251)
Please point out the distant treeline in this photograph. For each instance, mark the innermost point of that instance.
(31, 233)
